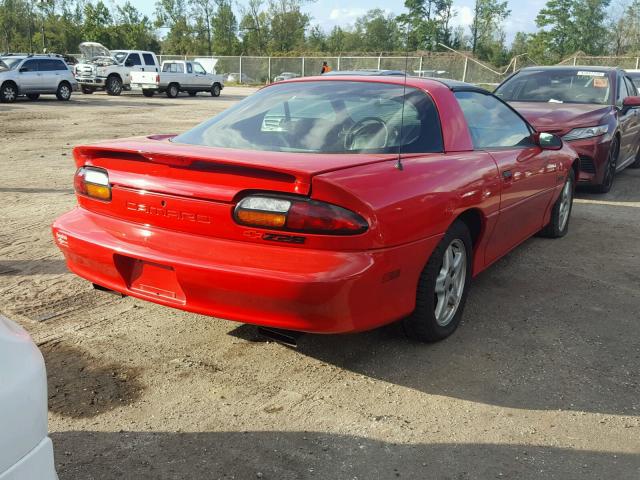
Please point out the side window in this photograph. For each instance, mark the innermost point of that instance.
(148, 59)
(134, 59)
(198, 69)
(492, 124)
(189, 68)
(622, 90)
(631, 88)
(30, 66)
(51, 65)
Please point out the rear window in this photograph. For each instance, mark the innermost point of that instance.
(580, 85)
(326, 117)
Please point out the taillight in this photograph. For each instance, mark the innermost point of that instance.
(298, 215)
(93, 182)
(158, 78)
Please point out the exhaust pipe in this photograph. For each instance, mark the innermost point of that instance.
(285, 337)
(107, 290)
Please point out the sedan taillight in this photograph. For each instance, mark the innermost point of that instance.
(298, 215)
(93, 182)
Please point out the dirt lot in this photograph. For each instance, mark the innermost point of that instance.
(541, 381)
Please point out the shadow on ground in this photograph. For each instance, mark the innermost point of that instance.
(534, 336)
(33, 267)
(301, 455)
(83, 386)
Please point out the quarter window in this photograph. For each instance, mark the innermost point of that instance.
(492, 124)
(148, 59)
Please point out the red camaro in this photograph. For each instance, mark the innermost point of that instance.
(331, 204)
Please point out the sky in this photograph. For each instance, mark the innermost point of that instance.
(328, 13)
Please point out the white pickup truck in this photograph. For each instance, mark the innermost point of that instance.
(177, 76)
(110, 70)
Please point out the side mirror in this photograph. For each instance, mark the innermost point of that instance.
(548, 141)
(630, 102)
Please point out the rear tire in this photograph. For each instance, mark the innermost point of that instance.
(33, 96)
(610, 167)
(114, 86)
(558, 226)
(64, 92)
(148, 93)
(173, 90)
(215, 90)
(442, 287)
(8, 92)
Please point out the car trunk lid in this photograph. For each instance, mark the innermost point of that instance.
(194, 189)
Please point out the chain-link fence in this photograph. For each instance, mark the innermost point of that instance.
(628, 63)
(262, 70)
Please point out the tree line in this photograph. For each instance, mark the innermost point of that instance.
(282, 27)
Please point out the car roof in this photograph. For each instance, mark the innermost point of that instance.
(594, 68)
(412, 81)
(364, 72)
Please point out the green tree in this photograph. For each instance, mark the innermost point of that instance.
(487, 36)
(254, 28)
(427, 23)
(173, 15)
(378, 32)
(98, 23)
(225, 29)
(288, 25)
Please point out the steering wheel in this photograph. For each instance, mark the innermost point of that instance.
(367, 128)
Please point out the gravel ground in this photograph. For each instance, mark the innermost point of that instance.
(541, 381)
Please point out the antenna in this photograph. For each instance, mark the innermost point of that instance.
(399, 165)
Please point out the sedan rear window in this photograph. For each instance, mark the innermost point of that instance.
(579, 85)
(326, 117)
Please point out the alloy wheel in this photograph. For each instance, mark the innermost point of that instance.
(450, 282)
(565, 204)
(9, 93)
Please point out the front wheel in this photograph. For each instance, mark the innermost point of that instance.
(442, 287)
(64, 92)
(610, 167)
(114, 86)
(8, 93)
(558, 225)
(215, 90)
(636, 164)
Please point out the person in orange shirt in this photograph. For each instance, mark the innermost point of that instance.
(325, 68)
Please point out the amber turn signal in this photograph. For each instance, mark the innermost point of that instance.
(93, 182)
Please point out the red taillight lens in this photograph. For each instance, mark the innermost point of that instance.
(298, 215)
(93, 182)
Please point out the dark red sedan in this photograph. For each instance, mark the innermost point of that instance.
(595, 109)
(330, 204)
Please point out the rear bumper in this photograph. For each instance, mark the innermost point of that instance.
(37, 464)
(593, 154)
(278, 286)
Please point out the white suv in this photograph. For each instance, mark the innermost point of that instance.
(33, 75)
(110, 70)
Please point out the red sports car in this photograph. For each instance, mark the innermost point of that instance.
(331, 204)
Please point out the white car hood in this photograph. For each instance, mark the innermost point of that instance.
(91, 50)
(23, 394)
